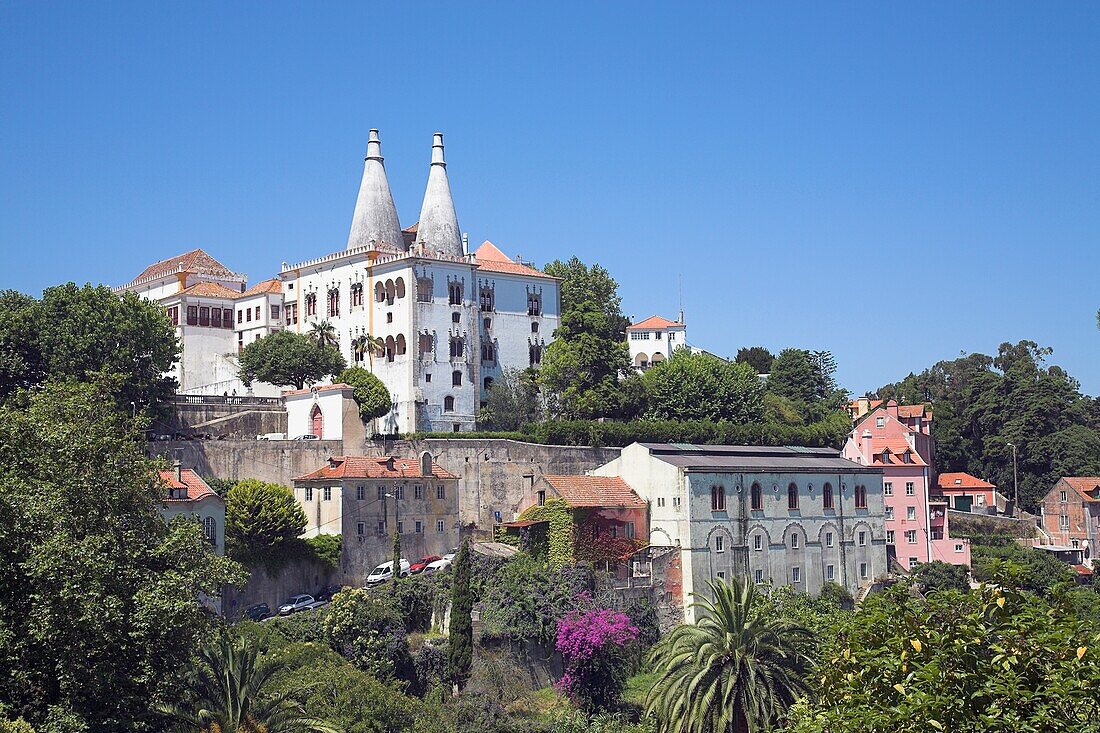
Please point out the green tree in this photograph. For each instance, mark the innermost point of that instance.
(512, 401)
(323, 334)
(938, 575)
(366, 628)
(260, 520)
(368, 392)
(99, 606)
(581, 283)
(21, 361)
(731, 672)
(460, 645)
(757, 357)
(794, 376)
(230, 690)
(396, 554)
(703, 387)
(285, 358)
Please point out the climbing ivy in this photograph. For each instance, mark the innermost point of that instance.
(559, 551)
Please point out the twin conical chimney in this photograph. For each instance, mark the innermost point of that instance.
(438, 228)
(375, 223)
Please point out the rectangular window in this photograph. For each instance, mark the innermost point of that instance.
(889, 536)
(660, 501)
(630, 530)
(439, 525)
(192, 315)
(541, 498)
(400, 527)
(381, 492)
(399, 492)
(913, 562)
(794, 540)
(828, 539)
(910, 513)
(717, 499)
(719, 545)
(418, 526)
(257, 313)
(830, 573)
(675, 502)
(889, 512)
(1063, 521)
(440, 492)
(327, 495)
(360, 528)
(863, 570)
(248, 314)
(240, 316)
(862, 539)
(360, 493)
(911, 536)
(880, 422)
(1061, 495)
(888, 488)
(909, 490)
(418, 491)
(381, 526)
(759, 576)
(758, 542)
(958, 547)
(174, 316)
(274, 312)
(721, 575)
(796, 574)
(309, 493)
(861, 497)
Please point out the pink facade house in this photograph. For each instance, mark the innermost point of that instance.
(898, 439)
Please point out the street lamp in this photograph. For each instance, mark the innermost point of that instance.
(396, 540)
(1015, 485)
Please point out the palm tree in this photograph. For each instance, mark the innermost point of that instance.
(731, 672)
(229, 694)
(324, 333)
(367, 344)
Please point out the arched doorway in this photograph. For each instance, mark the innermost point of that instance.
(318, 421)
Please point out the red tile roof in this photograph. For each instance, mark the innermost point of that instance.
(272, 286)
(341, 467)
(491, 259)
(912, 410)
(959, 481)
(196, 261)
(211, 290)
(595, 491)
(897, 447)
(1083, 569)
(197, 489)
(651, 323)
(1084, 485)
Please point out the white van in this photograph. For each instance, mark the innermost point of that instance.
(271, 436)
(384, 572)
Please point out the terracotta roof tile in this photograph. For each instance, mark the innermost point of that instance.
(491, 259)
(897, 447)
(959, 481)
(341, 467)
(594, 491)
(1084, 485)
(197, 489)
(651, 323)
(195, 261)
(911, 410)
(211, 290)
(272, 286)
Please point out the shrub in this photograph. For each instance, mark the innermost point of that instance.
(327, 548)
(368, 391)
(592, 645)
(366, 628)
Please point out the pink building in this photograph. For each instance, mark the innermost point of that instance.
(898, 439)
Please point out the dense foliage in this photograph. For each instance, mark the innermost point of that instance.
(554, 544)
(593, 644)
(757, 357)
(460, 644)
(937, 575)
(291, 359)
(124, 345)
(99, 607)
(985, 404)
(368, 392)
(261, 521)
(366, 628)
(512, 401)
(700, 386)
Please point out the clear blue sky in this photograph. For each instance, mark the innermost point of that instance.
(894, 183)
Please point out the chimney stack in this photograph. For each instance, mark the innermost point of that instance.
(865, 445)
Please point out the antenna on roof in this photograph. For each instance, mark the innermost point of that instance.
(680, 284)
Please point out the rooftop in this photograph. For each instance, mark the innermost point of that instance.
(197, 489)
(753, 458)
(595, 491)
(654, 322)
(959, 481)
(491, 259)
(196, 261)
(273, 286)
(341, 467)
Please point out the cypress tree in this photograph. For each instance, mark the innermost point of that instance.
(396, 556)
(460, 647)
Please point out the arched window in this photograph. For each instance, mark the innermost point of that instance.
(391, 348)
(827, 496)
(426, 341)
(861, 497)
(390, 292)
(792, 496)
(458, 347)
(399, 344)
(718, 498)
(757, 498)
(456, 378)
(536, 354)
(641, 361)
(448, 404)
(486, 298)
(488, 381)
(210, 530)
(317, 421)
(399, 287)
(454, 292)
(379, 292)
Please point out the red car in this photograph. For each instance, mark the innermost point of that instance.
(423, 562)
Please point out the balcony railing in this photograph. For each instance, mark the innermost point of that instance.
(211, 399)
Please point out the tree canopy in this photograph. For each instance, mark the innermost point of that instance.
(99, 606)
(286, 358)
(368, 392)
(511, 401)
(757, 357)
(703, 387)
(88, 334)
(985, 404)
(593, 284)
(260, 518)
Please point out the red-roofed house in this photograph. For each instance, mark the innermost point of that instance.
(653, 339)
(190, 496)
(966, 493)
(1071, 513)
(363, 499)
(898, 439)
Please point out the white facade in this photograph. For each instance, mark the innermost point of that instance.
(329, 412)
(653, 340)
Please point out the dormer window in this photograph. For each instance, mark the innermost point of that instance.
(886, 456)
(907, 457)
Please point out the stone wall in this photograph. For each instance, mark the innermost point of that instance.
(276, 461)
(230, 420)
(299, 576)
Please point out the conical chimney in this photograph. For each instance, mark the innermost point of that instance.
(438, 226)
(375, 222)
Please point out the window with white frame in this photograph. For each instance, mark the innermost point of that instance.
(862, 539)
(880, 422)
(828, 539)
(759, 576)
(794, 540)
(381, 528)
(1063, 521)
(830, 572)
(326, 494)
(910, 513)
(441, 492)
(889, 536)
(439, 525)
(1063, 497)
(309, 493)
(958, 547)
(360, 528)
(911, 536)
(758, 542)
(796, 574)
(889, 512)
(909, 489)
(863, 570)
(360, 493)
(913, 562)
(418, 491)
(888, 488)
(719, 544)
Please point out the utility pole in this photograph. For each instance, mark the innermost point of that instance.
(1015, 483)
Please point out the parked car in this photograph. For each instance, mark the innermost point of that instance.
(384, 572)
(423, 562)
(257, 612)
(329, 591)
(307, 436)
(271, 436)
(434, 567)
(295, 604)
(450, 556)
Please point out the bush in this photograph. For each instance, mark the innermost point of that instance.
(368, 392)
(366, 628)
(307, 626)
(430, 662)
(592, 644)
(327, 548)
(261, 520)
(939, 576)
(417, 598)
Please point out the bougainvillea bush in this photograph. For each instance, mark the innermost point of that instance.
(593, 647)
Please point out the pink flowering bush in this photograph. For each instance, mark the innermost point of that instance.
(591, 643)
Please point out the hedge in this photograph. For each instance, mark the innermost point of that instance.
(829, 433)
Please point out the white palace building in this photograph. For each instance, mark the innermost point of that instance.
(449, 320)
